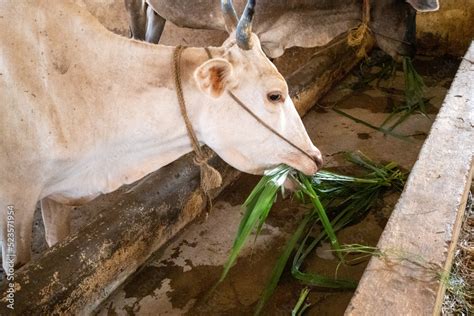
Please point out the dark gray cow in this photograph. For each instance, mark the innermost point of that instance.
(282, 24)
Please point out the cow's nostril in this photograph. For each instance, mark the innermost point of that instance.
(319, 160)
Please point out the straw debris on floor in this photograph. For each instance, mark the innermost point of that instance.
(459, 297)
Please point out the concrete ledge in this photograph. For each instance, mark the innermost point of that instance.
(426, 221)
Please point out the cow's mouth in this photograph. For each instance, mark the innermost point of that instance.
(304, 164)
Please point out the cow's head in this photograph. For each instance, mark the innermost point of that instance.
(234, 134)
(394, 24)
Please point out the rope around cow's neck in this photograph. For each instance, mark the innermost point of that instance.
(210, 177)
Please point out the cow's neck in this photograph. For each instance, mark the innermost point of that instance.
(136, 126)
(159, 135)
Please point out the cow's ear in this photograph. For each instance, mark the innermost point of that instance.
(214, 76)
(424, 5)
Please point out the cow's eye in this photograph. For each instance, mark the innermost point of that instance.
(275, 97)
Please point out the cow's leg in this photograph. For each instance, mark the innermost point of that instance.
(56, 219)
(16, 225)
(154, 27)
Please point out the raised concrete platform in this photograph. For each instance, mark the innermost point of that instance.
(426, 221)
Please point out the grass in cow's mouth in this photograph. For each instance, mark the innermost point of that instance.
(257, 207)
(414, 100)
(346, 198)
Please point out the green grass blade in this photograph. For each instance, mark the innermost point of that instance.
(314, 279)
(362, 160)
(379, 128)
(402, 118)
(323, 175)
(389, 118)
(322, 281)
(247, 227)
(299, 307)
(257, 208)
(322, 214)
(281, 263)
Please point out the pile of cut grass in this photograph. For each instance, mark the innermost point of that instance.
(348, 198)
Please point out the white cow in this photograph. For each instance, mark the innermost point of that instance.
(81, 117)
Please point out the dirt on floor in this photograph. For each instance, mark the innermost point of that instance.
(179, 278)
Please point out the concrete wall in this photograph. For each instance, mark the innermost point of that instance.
(447, 31)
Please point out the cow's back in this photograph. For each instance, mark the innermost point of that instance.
(207, 14)
(44, 79)
(20, 85)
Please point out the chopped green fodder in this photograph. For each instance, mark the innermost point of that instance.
(257, 207)
(385, 69)
(348, 198)
(414, 102)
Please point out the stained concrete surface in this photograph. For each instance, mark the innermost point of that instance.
(177, 279)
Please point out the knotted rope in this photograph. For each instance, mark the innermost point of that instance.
(361, 35)
(210, 177)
